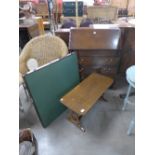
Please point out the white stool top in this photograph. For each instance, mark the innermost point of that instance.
(130, 75)
(32, 64)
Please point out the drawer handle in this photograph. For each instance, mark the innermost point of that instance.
(81, 70)
(94, 32)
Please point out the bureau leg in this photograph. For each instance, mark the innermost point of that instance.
(75, 119)
(114, 85)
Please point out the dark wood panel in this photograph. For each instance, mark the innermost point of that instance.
(89, 38)
(98, 53)
(98, 61)
(128, 49)
(64, 35)
(24, 37)
(98, 50)
(26, 32)
(110, 71)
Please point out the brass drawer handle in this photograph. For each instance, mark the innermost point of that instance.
(94, 32)
(81, 70)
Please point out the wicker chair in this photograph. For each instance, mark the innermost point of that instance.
(44, 49)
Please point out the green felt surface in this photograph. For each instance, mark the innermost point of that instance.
(49, 83)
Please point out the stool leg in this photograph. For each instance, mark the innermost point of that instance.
(26, 92)
(131, 126)
(126, 98)
(21, 105)
(122, 96)
(28, 98)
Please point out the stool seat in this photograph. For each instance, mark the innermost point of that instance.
(130, 75)
(32, 64)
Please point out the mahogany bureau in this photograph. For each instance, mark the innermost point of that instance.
(97, 50)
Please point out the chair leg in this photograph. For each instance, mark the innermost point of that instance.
(126, 98)
(131, 126)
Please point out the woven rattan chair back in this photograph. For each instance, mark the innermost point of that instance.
(44, 49)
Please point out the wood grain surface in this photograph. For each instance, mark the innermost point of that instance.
(85, 94)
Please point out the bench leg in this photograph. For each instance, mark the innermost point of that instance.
(75, 119)
(103, 98)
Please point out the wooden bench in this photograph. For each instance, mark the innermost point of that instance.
(82, 98)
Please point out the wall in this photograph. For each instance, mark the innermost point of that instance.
(117, 3)
(123, 4)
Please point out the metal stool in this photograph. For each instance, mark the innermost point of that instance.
(130, 77)
(32, 64)
(21, 107)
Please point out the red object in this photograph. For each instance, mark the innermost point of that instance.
(59, 4)
(99, 2)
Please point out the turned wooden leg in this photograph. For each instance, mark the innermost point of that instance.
(103, 98)
(75, 119)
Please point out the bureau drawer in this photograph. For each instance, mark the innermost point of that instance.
(110, 53)
(108, 70)
(105, 70)
(98, 61)
(94, 39)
